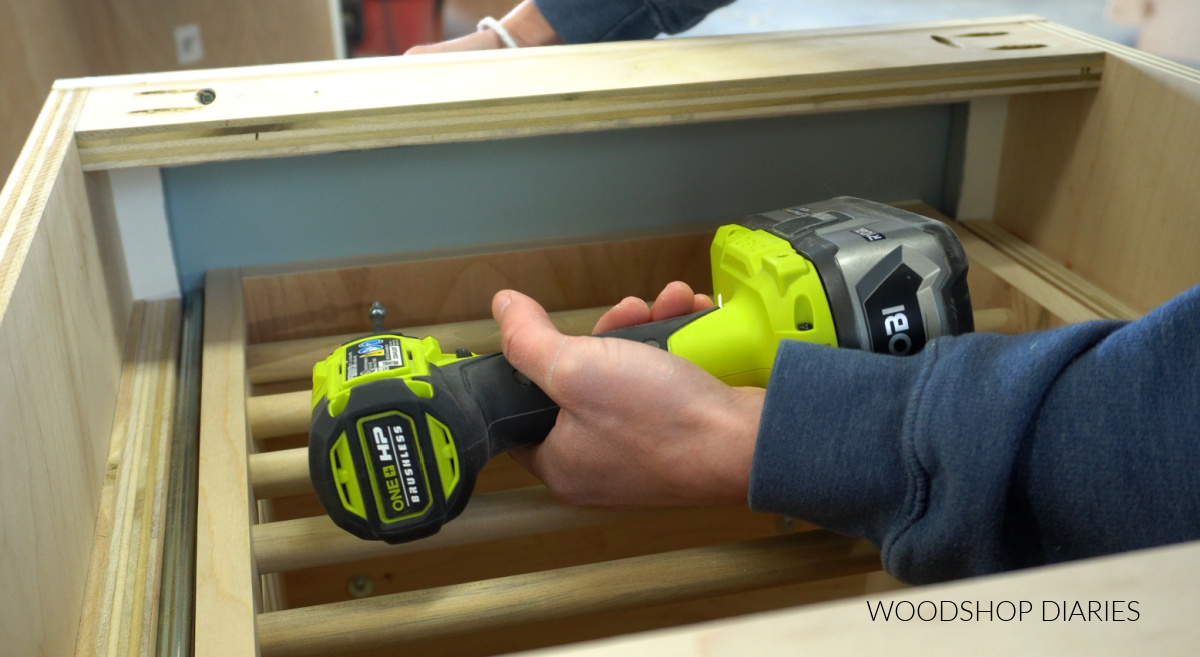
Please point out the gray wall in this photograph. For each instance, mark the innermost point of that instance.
(309, 207)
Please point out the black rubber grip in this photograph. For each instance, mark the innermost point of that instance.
(657, 333)
(516, 412)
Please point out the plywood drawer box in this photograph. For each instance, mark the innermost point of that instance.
(302, 193)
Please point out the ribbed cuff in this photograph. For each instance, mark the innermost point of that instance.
(829, 447)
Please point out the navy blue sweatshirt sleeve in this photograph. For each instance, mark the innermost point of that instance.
(590, 21)
(986, 453)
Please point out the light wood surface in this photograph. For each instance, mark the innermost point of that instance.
(121, 601)
(226, 581)
(590, 272)
(285, 414)
(279, 473)
(1097, 300)
(632, 534)
(983, 142)
(511, 93)
(364, 624)
(294, 359)
(1104, 182)
(121, 37)
(31, 63)
(1163, 581)
(46, 40)
(308, 542)
(64, 313)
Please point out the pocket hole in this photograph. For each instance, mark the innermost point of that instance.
(945, 41)
(1023, 46)
(982, 34)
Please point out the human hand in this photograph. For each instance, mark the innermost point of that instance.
(637, 426)
(525, 23)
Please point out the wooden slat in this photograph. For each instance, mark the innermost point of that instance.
(504, 640)
(64, 316)
(308, 542)
(293, 359)
(226, 581)
(285, 414)
(119, 616)
(1097, 300)
(510, 93)
(280, 473)
(982, 254)
(361, 625)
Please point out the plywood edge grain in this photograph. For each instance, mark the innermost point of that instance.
(122, 591)
(25, 194)
(1124, 52)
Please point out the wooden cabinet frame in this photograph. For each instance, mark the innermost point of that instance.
(1078, 201)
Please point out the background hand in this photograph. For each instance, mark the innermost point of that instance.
(637, 426)
(525, 23)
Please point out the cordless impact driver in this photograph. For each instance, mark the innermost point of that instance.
(400, 429)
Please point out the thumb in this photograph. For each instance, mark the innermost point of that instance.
(528, 338)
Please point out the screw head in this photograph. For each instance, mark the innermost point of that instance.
(206, 96)
(804, 326)
(360, 586)
(377, 313)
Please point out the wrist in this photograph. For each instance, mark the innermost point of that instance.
(735, 432)
(528, 27)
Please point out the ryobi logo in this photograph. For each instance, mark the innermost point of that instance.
(382, 444)
(895, 323)
(402, 488)
(894, 316)
(371, 347)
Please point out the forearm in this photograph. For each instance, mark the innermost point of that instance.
(589, 21)
(986, 453)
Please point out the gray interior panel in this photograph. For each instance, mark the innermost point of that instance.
(254, 212)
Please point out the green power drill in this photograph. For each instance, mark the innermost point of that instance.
(400, 429)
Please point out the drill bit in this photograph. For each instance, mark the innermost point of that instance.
(377, 312)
